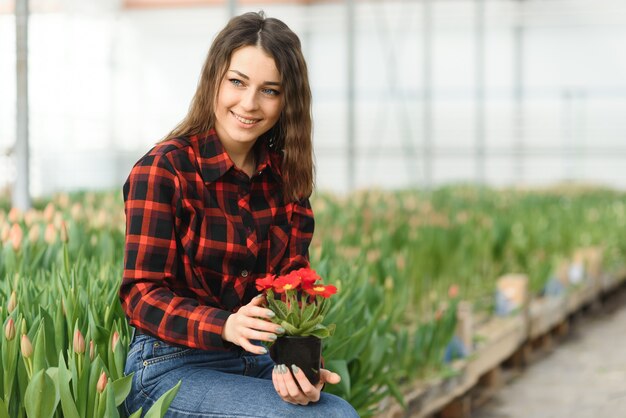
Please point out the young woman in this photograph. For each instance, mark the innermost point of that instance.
(222, 201)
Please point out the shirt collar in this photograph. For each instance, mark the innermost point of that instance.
(214, 161)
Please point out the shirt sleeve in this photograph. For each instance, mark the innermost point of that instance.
(302, 227)
(151, 262)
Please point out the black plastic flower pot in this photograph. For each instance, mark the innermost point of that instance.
(304, 352)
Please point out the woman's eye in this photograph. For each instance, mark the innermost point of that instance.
(271, 92)
(235, 82)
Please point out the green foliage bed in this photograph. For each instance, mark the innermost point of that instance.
(393, 255)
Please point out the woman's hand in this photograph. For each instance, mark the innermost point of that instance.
(302, 392)
(250, 323)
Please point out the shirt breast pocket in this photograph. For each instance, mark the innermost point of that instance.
(278, 241)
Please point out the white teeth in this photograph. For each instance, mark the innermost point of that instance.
(244, 120)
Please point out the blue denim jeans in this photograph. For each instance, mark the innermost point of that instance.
(231, 383)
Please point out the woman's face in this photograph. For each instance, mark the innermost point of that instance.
(249, 100)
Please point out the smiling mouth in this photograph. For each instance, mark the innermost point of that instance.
(245, 120)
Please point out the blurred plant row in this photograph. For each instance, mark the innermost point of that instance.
(401, 260)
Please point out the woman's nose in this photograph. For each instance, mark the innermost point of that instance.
(249, 100)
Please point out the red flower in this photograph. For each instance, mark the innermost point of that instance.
(288, 282)
(266, 282)
(307, 275)
(323, 290)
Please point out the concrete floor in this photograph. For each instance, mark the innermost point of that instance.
(585, 377)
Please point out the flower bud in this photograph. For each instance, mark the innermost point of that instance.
(16, 236)
(79, 342)
(453, 291)
(63, 199)
(48, 212)
(102, 382)
(114, 340)
(26, 347)
(15, 215)
(33, 233)
(50, 236)
(92, 350)
(9, 329)
(5, 232)
(30, 217)
(57, 220)
(12, 302)
(101, 219)
(77, 212)
(64, 236)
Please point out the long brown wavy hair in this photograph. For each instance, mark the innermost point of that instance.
(292, 133)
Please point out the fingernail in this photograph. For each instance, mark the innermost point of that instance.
(263, 350)
(272, 337)
(258, 296)
(295, 368)
(275, 367)
(283, 369)
(270, 314)
(280, 330)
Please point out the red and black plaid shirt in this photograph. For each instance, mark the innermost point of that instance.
(199, 232)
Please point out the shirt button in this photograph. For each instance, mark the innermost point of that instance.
(244, 273)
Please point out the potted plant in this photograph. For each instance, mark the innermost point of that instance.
(299, 301)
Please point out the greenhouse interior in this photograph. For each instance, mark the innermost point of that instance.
(461, 163)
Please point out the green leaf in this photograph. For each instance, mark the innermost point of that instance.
(136, 414)
(289, 329)
(341, 368)
(320, 332)
(308, 313)
(304, 328)
(67, 401)
(89, 392)
(293, 319)
(395, 392)
(10, 364)
(60, 330)
(119, 359)
(279, 308)
(111, 406)
(160, 406)
(40, 362)
(53, 372)
(41, 397)
(48, 327)
(4, 413)
(122, 387)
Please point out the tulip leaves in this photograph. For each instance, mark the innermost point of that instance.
(41, 396)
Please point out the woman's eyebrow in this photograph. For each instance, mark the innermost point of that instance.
(242, 75)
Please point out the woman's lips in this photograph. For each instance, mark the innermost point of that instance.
(245, 120)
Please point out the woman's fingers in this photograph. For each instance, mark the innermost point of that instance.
(311, 392)
(251, 322)
(326, 376)
(258, 324)
(287, 387)
(251, 348)
(240, 329)
(279, 383)
(252, 334)
(293, 385)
